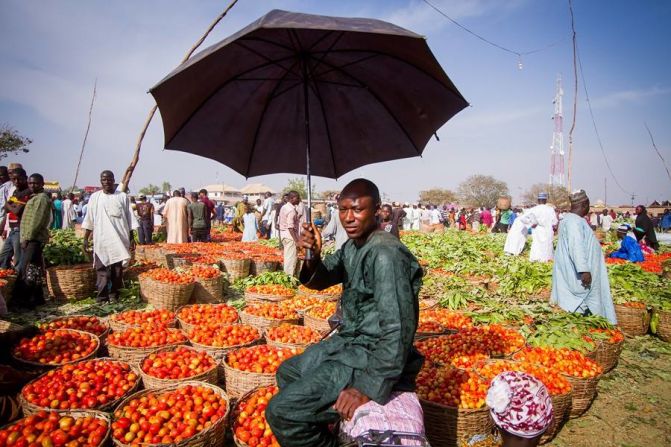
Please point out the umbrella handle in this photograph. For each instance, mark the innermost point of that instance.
(309, 255)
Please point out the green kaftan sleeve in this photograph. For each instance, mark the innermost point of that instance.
(391, 278)
(328, 273)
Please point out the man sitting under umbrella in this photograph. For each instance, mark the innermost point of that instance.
(371, 359)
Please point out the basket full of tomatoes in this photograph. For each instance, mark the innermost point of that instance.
(80, 428)
(263, 316)
(167, 289)
(189, 414)
(99, 384)
(317, 316)
(291, 336)
(87, 323)
(169, 366)
(250, 427)
(332, 293)
(55, 347)
(201, 315)
(134, 344)
(209, 287)
(263, 293)
(136, 318)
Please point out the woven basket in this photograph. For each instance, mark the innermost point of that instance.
(208, 290)
(81, 414)
(134, 356)
(168, 296)
(143, 282)
(279, 344)
(584, 392)
(664, 325)
(255, 298)
(446, 425)
(30, 365)
(7, 289)
(102, 321)
(156, 254)
(119, 326)
(7, 326)
(321, 296)
(175, 260)
(71, 282)
(140, 252)
(606, 354)
(236, 268)
(238, 383)
(262, 323)
(30, 408)
(632, 321)
(319, 325)
(561, 407)
(188, 327)
(212, 436)
(154, 383)
(258, 266)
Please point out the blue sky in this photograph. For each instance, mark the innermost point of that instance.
(51, 53)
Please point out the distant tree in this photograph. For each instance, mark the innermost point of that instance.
(150, 190)
(437, 196)
(298, 184)
(329, 194)
(166, 187)
(481, 190)
(12, 142)
(557, 195)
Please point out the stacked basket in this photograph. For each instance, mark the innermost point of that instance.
(21, 439)
(153, 383)
(263, 323)
(235, 265)
(633, 321)
(71, 282)
(134, 355)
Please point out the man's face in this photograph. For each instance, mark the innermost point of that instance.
(107, 182)
(201, 195)
(385, 213)
(358, 216)
(19, 181)
(639, 210)
(36, 186)
(295, 200)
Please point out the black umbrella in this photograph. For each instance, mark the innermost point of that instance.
(340, 92)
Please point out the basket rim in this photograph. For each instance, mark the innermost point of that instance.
(149, 347)
(56, 365)
(200, 345)
(172, 348)
(242, 311)
(102, 320)
(297, 345)
(185, 306)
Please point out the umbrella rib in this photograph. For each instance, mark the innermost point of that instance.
(214, 91)
(260, 39)
(341, 84)
(326, 123)
(382, 103)
(358, 61)
(261, 117)
(329, 49)
(263, 56)
(452, 88)
(282, 92)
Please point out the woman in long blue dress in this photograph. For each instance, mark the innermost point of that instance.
(57, 222)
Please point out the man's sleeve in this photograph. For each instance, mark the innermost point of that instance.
(394, 298)
(577, 249)
(291, 217)
(87, 224)
(32, 219)
(328, 273)
(130, 215)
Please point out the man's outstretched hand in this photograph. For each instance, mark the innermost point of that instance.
(348, 401)
(311, 239)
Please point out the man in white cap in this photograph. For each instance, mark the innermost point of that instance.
(543, 232)
(579, 275)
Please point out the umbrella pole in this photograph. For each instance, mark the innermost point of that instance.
(308, 212)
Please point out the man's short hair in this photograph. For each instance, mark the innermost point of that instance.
(203, 191)
(108, 172)
(37, 177)
(293, 194)
(20, 172)
(369, 189)
(194, 195)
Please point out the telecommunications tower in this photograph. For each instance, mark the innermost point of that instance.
(557, 147)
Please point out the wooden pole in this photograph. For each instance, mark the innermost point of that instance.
(136, 156)
(86, 134)
(569, 176)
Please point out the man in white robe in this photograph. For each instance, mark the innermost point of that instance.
(517, 235)
(407, 220)
(579, 276)
(68, 212)
(543, 232)
(110, 220)
(176, 219)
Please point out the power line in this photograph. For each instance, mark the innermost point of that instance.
(596, 130)
(657, 150)
(519, 54)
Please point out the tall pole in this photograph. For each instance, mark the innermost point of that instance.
(306, 106)
(569, 173)
(86, 135)
(605, 191)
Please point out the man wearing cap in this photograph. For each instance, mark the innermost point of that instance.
(579, 276)
(543, 232)
(629, 248)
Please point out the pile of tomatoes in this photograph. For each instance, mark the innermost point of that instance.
(446, 318)
(322, 311)
(272, 311)
(56, 347)
(84, 385)
(224, 336)
(564, 360)
(250, 426)
(555, 383)
(146, 337)
(168, 417)
(49, 429)
(272, 289)
(260, 359)
(168, 276)
(300, 302)
(178, 363)
(430, 327)
(137, 318)
(333, 290)
(205, 271)
(452, 387)
(612, 336)
(4, 273)
(90, 324)
(208, 314)
(291, 333)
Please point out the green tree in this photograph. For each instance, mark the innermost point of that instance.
(12, 142)
(166, 187)
(150, 190)
(557, 195)
(437, 196)
(481, 190)
(298, 184)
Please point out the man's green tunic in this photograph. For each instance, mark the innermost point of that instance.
(372, 351)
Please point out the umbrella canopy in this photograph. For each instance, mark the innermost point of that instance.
(300, 93)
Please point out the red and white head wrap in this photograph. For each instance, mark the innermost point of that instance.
(519, 404)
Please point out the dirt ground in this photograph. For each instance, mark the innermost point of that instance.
(633, 407)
